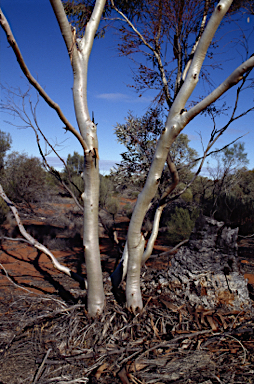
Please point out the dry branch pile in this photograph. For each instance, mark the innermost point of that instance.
(44, 340)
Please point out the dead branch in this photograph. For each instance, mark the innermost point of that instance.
(36, 244)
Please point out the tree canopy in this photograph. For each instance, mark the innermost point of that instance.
(140, 135)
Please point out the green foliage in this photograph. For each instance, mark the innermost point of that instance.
(234, 156)
(72, 175)
(139, 136)
(187, 196)
(107, 201)
(24, 179)
(106, 189)
(5, 145)
(78, 185)
(181, 153)
(127, 209)
(112, 206)
(75, 163)
(180, 225)
(4, 209)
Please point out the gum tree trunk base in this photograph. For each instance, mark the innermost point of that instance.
(205, 272)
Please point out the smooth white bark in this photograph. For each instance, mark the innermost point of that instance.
(176, 121)
(79, 52)
(6, 27)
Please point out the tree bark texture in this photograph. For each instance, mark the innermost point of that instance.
(205, 272)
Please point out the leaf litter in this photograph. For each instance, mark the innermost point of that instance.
(45, 340)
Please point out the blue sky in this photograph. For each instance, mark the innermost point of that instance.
(38, 36)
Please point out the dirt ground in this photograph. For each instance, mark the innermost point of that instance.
(34, 270)
(47, 337)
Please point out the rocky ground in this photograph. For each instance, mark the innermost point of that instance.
(47, 337)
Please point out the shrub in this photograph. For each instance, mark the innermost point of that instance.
(180, 225)
(24, 178)
(3, 210)
(112, 206)
(106, 188)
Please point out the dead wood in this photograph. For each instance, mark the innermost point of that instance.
(44, 340)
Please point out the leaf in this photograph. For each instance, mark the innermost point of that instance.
(170, 306)
(100, 370)
(123, 376)
(212, 323)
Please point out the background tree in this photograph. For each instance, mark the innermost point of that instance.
(139, 136)
(5, 145)
(24, 178)
(227, 172)
(75, 163)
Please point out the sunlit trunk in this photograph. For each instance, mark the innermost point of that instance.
(79, 51)
(178, 118)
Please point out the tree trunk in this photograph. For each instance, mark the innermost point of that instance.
(79, 51)
(178, 118)
(95, 295)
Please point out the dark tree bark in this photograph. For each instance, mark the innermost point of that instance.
(205, 272)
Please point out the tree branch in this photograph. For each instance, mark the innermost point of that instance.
(6, 27)
(231, 80)
(199, 56)
(36, 244)
(156, 53)
(201, 30)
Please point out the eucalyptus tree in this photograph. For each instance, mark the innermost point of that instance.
(79, 49)
(190, 58)
(228, 171)
(179, 20)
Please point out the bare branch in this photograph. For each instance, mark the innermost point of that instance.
(6, 27)
(201, 30)
(12, 107)
(233, 79)
(35, 243)
(16, 285)
(156, 53)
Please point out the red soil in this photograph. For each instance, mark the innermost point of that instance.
(33, 270)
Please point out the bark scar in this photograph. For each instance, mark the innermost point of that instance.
(70, 51)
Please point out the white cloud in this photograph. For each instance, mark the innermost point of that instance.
(55, 162)
(124, 97)
(106, 165)
(114, 96)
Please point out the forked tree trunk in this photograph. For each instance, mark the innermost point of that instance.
(177, 120)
